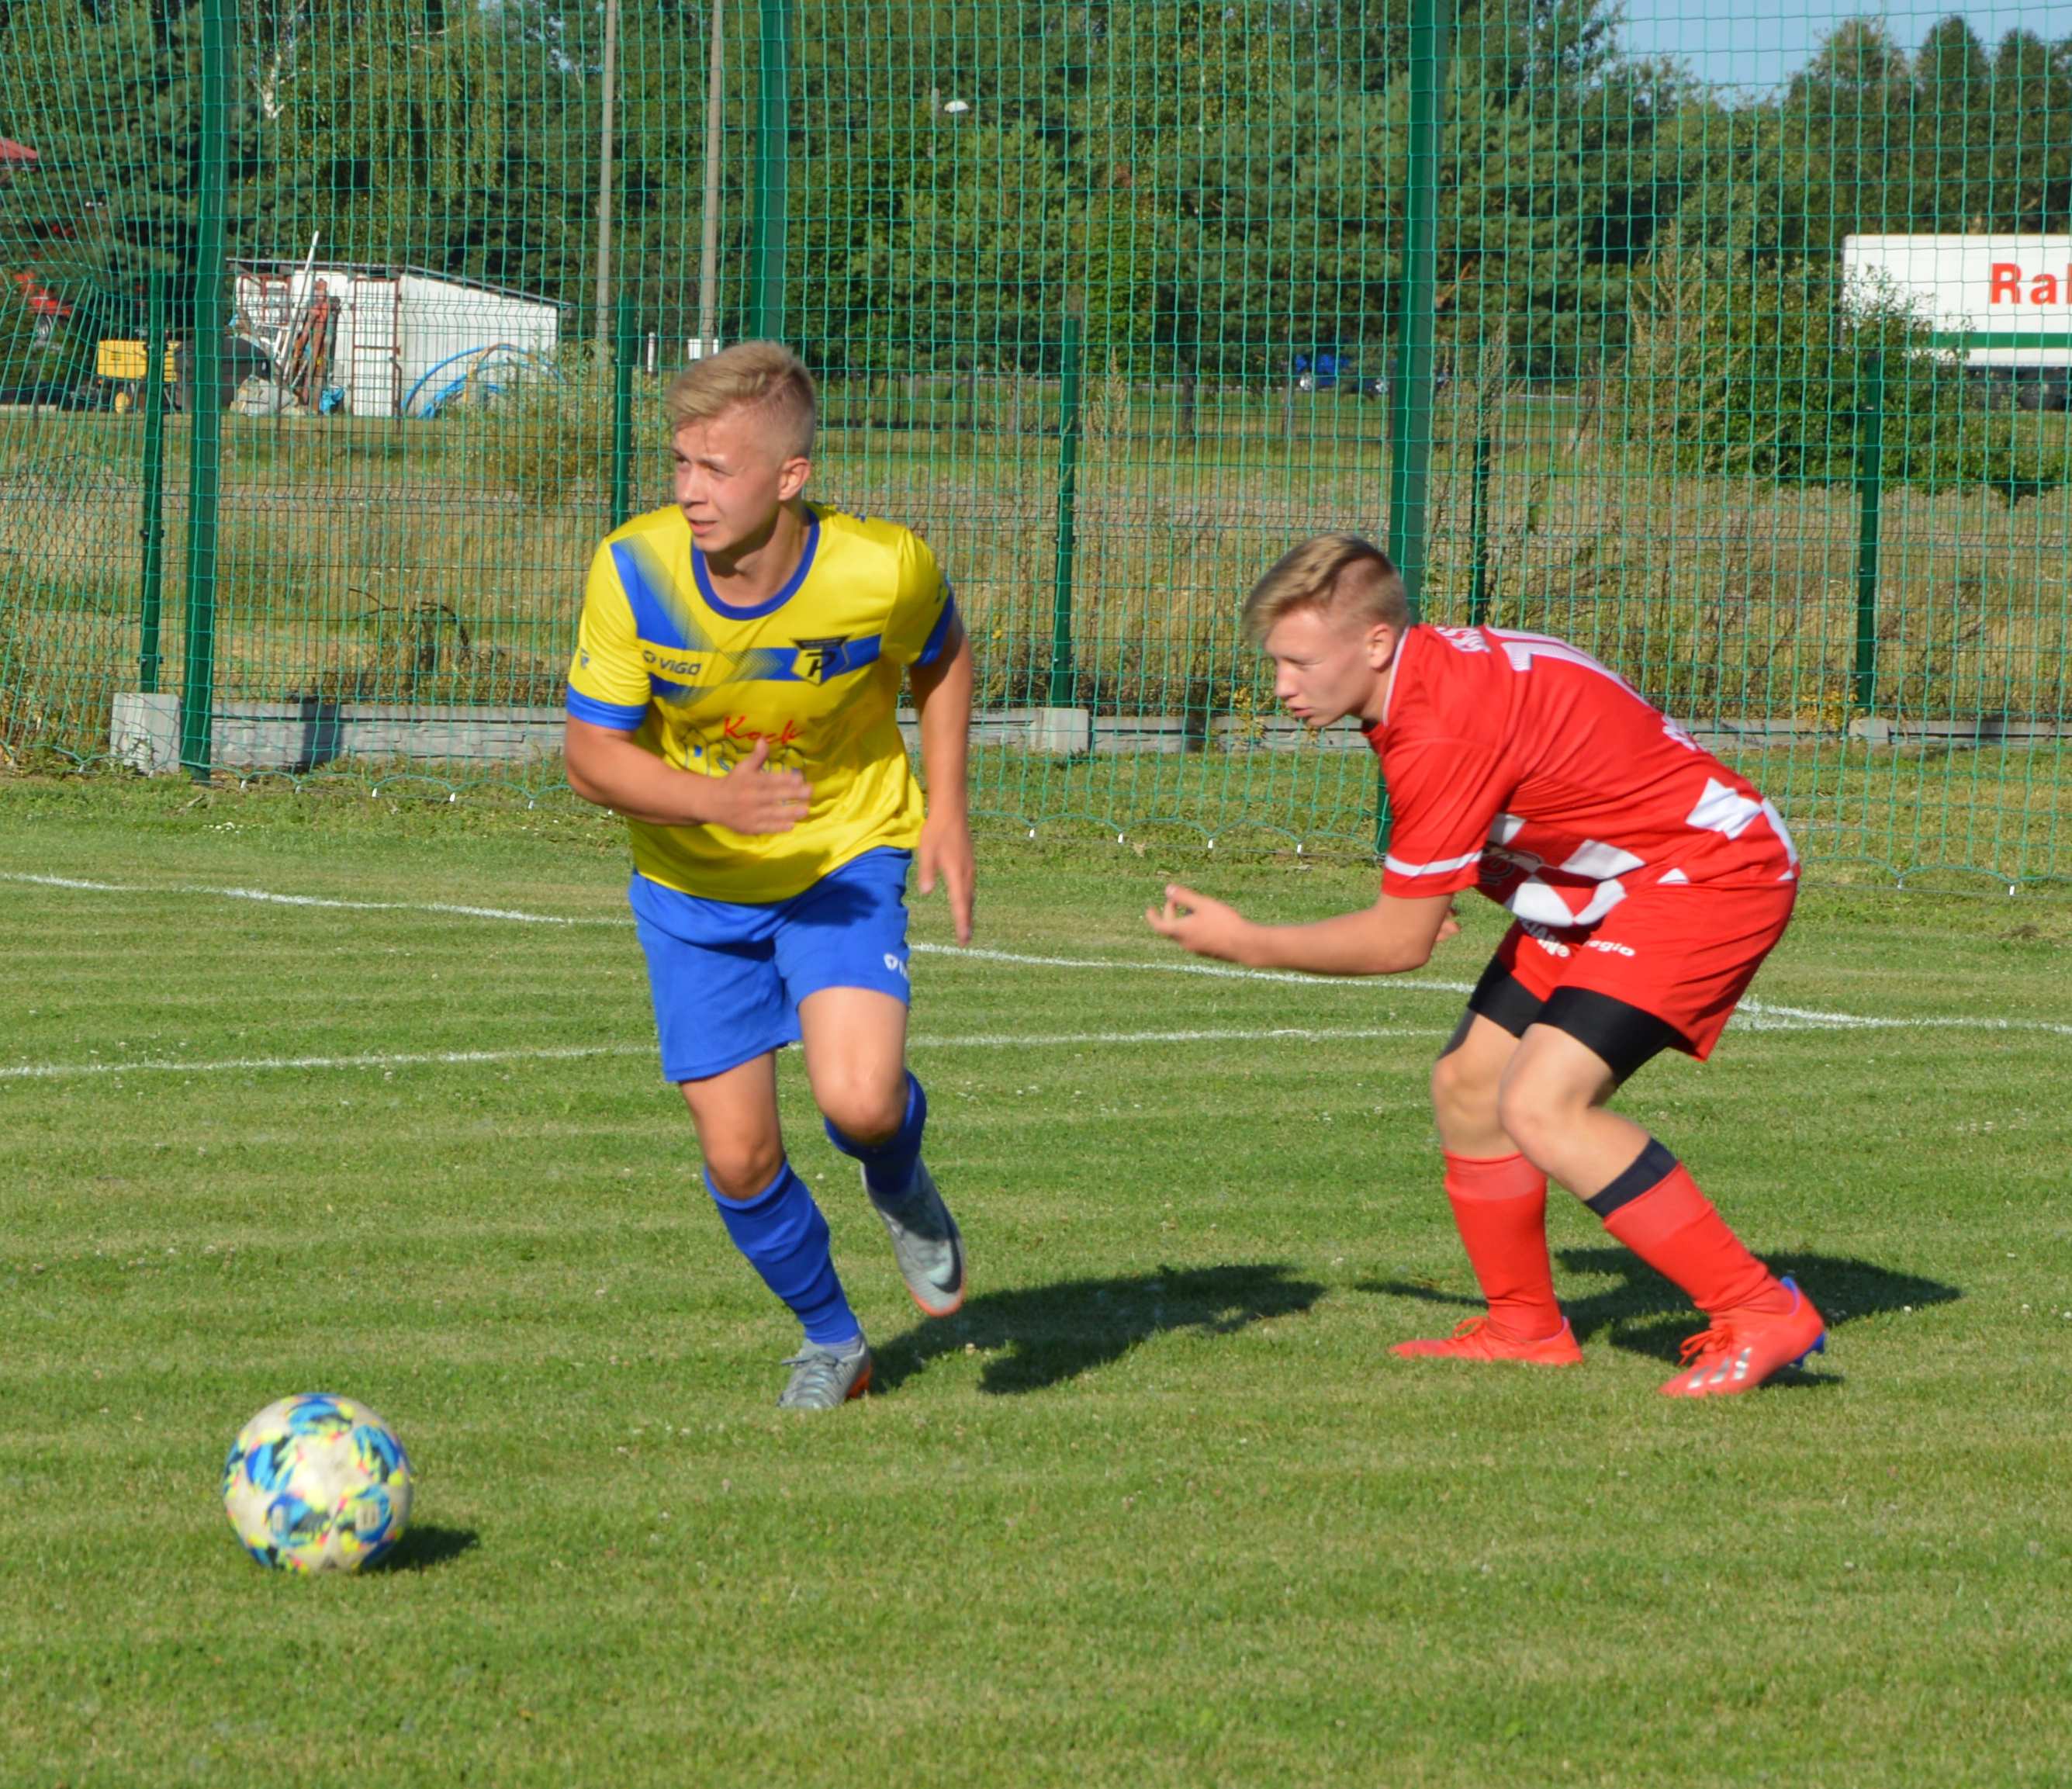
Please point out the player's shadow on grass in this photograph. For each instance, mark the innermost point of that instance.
(1040, 1336)
(1643, 1313)
(422, 1548)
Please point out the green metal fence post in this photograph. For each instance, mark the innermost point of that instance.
(154, 529)
(624, 348)
(1063, 677)
(1870, 491)
(1410, 392)
(772, 123)
(1410, 430)
(205, 391)
(1478, 532)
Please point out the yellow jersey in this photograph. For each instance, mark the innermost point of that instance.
(815, 670)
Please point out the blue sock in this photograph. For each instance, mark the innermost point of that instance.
(888, 1167)
(785, 1238)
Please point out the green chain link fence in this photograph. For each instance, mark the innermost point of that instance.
(332, 337)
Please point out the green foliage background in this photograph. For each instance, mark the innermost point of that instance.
(1226, 182)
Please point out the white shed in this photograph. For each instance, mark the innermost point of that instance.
(404, 340)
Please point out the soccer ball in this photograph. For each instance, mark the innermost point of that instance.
(317, 1483)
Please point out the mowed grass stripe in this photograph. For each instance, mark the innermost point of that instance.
(1757, 1014)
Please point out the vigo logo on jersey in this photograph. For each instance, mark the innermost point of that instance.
(673, 666)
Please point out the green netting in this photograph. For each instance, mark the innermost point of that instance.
(1114, 301)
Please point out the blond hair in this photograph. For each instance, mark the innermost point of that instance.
(1334, 572)
(766, 376)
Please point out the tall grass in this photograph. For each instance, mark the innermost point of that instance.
(442, 563)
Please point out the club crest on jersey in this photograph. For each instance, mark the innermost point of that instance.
(820, 660)
(1500, 862)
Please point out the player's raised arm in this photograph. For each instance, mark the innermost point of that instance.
(1393, 935)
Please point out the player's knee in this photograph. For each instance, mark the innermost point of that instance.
(1459, 1092)
(867, 1108)
(742, 1167)
(1534, 1116)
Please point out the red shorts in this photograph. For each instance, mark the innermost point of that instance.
(1685, 953)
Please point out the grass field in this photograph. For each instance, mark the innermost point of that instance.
(1158, 1508)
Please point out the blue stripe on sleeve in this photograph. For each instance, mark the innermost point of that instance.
(647, 597)
(933, 649)
(621, 717)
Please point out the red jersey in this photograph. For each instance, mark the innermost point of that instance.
(1519, 763)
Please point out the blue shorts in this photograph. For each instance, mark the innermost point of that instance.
(728, 976)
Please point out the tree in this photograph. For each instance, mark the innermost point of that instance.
(102, 205)
(1950, 166)
(2029, 171)
(1744, 366)
(970, 263)
(1846, 126)
(408, 135)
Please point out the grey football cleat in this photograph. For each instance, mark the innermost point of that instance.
(824, 1378)
(925, 1243)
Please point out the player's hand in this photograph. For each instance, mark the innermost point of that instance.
(750, 798)
(946, 851)
(1195, 922)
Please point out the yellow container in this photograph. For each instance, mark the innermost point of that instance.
(115, 358)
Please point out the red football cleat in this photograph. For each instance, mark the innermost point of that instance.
(1474, 1340)
(1742, 1350)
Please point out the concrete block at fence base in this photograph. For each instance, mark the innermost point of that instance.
(303, 735)
(1060, 730)
(144, 732)
(1003, 728)
(1263, 733)
(1165, 734)
(1871, 729)
(1067, 731)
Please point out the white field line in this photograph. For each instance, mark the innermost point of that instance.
(1222, 971)
(516, 916)
(1753, 1014)
(511, 915)
(172, 1065)
(1760, 1015)
(161, 1065)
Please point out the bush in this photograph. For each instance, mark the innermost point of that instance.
(1741, 366)
(547, 436)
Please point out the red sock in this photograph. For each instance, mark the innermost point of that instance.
(1656, 1209)
(1500, 1207)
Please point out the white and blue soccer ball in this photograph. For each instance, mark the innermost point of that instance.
(317, 1483)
